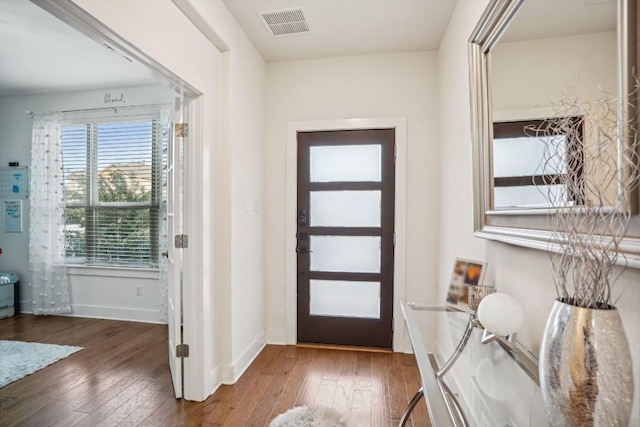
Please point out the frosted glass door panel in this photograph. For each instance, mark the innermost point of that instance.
(524, 156)
(344, 299)
(539, 196)
(354, 254)
(345, 208)
(346, 163)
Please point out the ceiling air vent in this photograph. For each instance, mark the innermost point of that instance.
(285, 22)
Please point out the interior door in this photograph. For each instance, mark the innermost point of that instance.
(346, 183)
(174, 255)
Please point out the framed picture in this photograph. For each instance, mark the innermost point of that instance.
(13, 216)
(465, 273)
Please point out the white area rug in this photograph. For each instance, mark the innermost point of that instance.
(304, 416)
(19, 359)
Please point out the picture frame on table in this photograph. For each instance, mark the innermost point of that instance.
(466, 272)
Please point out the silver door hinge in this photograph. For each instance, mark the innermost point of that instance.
(182, 130)
(395, 151)
(182, 350)
(394, 238)
(181, 241)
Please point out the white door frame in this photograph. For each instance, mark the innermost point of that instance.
(196, 386)
(400, 222)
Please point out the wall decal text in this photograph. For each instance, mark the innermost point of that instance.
(113, 99)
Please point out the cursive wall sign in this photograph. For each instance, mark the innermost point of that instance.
(114, 99)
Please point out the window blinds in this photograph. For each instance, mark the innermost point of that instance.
(113, 164)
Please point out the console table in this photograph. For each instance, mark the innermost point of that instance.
(465, 382)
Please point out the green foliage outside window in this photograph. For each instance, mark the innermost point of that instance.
(121, 225)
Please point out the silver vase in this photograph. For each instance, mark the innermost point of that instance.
(586, 375)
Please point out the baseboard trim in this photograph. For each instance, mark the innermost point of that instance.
(229, 374)
(116, 313)
(109, 313)
(344, 347)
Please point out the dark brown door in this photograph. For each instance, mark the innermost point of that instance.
(346, 182)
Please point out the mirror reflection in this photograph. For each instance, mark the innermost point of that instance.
(550, 66)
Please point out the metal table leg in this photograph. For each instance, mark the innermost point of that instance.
(414, 401)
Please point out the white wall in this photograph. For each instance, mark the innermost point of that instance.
(98, 293)
(456, 199)
(391, 85)
(581, 66)
(240, 163)
(523, 273)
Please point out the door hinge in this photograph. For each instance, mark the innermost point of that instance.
(182, 130)
(181, 241)
(182, 350)
(395, 151)
(394, 238)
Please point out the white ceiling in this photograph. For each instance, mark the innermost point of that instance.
(355, 27)
(347, 27)
(39, 53)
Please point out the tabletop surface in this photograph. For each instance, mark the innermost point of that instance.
(489, 384)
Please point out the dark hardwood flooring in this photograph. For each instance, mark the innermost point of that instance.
(121, 378)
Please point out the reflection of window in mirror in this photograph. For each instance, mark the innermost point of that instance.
(531, 165)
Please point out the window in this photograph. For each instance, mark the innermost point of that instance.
(112, 167)
(533, 160)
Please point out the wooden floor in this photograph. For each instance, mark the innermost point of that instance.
(121, 378)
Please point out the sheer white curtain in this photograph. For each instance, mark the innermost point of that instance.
(166, 112)
(49, 291)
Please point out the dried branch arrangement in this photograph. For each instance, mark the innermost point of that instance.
(594, 162)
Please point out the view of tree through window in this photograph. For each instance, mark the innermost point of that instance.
(112, 185)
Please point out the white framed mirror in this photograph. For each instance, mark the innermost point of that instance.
(529, 61)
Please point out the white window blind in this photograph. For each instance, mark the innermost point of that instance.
(113, 162)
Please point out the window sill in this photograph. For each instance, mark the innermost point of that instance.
(104, 271)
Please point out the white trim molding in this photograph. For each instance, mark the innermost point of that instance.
(128, 314)
(400, 126)
(629, 248)
(229, 374)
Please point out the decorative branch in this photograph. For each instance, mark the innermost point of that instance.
(594, 158)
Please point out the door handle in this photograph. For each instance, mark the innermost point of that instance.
(303, 250)
(165, 254)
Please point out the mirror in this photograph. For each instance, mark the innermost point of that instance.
(535, 62)
(540, 58)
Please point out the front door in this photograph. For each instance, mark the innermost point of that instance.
(346, 182)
